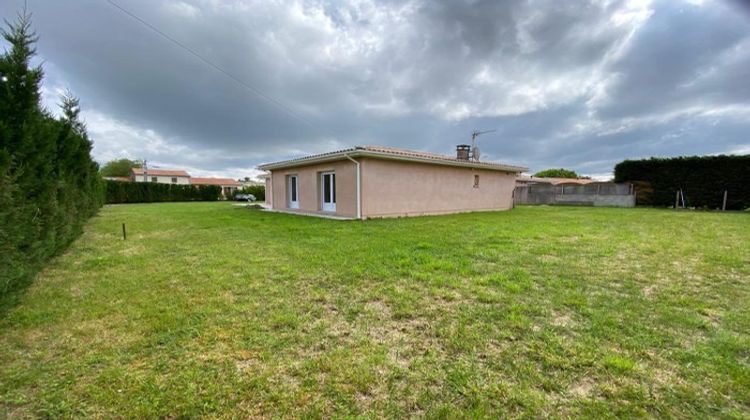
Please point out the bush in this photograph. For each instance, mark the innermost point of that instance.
(150, 192)
(556, 173)
(120, 167)
(702, 179)
(49, 184)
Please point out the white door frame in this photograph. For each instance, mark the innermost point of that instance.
(292, 187)
(328, 203)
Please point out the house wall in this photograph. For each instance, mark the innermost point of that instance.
(309, 187)
(269, 190)
(183, 180)
(396, 188)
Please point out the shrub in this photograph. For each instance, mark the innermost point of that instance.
(556, 173)
(702, 179)
(120, 167)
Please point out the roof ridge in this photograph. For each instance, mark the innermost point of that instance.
(395, 151)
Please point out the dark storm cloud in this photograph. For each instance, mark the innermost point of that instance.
(575, 84)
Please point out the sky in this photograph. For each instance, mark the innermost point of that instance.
(576, 84)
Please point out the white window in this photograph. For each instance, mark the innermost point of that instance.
(476, 181)
(293, 191)
(174, 180)
(328, 191)
(154, 179)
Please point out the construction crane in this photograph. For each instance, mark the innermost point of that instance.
(474, 150)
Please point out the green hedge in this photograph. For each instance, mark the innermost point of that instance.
(49, 184)
(151, 192)
(259, 191)
(702, 179)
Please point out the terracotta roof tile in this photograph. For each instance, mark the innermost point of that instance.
(555, 181)
(226, 182)
(397, 152)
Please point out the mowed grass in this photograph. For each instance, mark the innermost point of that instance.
(216, 310)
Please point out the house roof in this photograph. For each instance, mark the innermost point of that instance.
(224, 182)
(117, 178)
(394, 154)
(162, 172)
(554, 181)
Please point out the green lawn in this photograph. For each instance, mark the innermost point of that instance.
(213, 309)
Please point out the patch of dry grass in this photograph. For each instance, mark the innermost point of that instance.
(212, 309)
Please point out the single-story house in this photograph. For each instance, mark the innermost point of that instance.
(228, 185)
(375, 181)
(161, 176)
(247, 182)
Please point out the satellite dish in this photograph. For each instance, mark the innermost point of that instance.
(474, 149)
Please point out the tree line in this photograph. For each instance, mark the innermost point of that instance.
(49, 183)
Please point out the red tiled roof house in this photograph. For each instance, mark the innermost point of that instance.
(161, 176)
(375, 181)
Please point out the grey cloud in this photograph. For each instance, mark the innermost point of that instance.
(577, 84)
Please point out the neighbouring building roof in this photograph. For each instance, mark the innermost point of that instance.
(224, 182)
(554, 181)
(117, 178)
(393, 154)
(161, 172)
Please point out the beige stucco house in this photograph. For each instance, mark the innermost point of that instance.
(160, 176)
(375, 181)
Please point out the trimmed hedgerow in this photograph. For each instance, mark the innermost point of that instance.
(49, 184)
(147, 192)
(702, 179)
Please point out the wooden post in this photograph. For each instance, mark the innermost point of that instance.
(724, 204)
(676, 199)
(682, 195)
(124, 234)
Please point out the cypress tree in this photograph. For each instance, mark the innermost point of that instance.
(49, 185)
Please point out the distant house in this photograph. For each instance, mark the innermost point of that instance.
(247, 182)
(228, 185)
(376, 181)
(161, 176)
(180, 177)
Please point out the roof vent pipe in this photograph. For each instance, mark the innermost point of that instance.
(462, 151)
